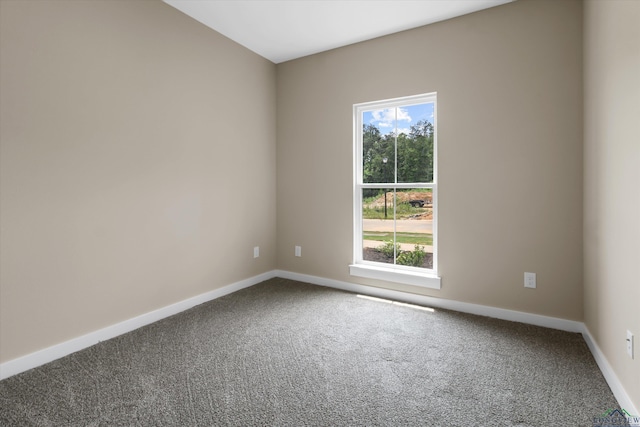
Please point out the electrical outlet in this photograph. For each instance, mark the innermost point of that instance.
(530, 280)
(256, 251)
(298, 250)
(630, 344)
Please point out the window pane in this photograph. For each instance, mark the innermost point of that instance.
(415, 144)
(377, 225)
(403, 232)
(378, 146)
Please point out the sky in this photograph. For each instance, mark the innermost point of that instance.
(407, 116)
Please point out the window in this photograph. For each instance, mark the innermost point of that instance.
(395, 191)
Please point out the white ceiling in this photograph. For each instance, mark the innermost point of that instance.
(281, 30)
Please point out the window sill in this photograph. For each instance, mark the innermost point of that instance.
(394, 275)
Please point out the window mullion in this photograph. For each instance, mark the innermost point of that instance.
(395, 227)
(395, 189)
(399, 185)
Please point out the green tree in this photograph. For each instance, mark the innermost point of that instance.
(414, 154)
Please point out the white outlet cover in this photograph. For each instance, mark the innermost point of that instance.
(630, 344)
(530, 280)
(256, 251)
(298, 251)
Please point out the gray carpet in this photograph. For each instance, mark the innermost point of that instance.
(285, 353)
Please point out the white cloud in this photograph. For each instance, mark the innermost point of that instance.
(403, 115)
(386, 118)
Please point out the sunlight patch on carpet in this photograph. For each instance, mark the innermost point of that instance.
(402, 304)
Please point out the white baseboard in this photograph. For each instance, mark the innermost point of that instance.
(609, 375)
(35, 359)
(481, 310)
(57, 351)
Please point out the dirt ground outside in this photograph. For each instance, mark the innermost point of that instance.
(423, 213)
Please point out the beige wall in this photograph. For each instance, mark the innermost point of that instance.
(137, 165)
(123, 123)
(612, 183)
(509, 83)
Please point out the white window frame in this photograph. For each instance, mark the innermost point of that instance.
(422, 277)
